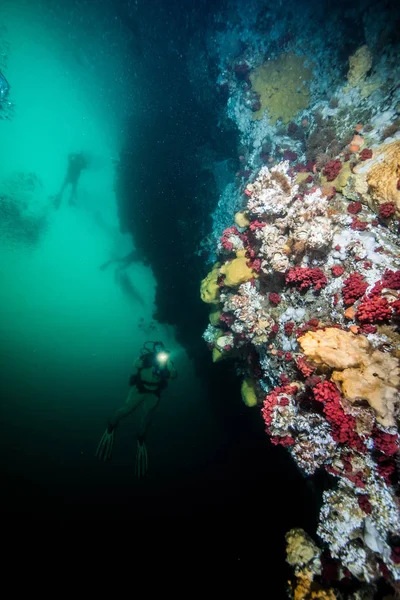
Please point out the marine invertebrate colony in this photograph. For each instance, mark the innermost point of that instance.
(317, 310)
(282, 87)
(314, 324)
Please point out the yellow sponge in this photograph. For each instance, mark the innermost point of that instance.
(214, 316)
(209, 289)
(249, 392)
(236, 271)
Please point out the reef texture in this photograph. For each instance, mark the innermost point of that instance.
(375, 181)
(312, 320)
(282, 87)
(305, 558)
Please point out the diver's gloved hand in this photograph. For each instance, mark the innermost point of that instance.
(142, 463)
(104, 449)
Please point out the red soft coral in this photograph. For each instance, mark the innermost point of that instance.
(387, 210)
(354, 208)
(365, 154)
(387, 443)
(343, 426)
(374, 310)
(255, 264)
(254, 225)
(337, 270)
(367, 328)
(285, 441)
(305, 369)
(358, 225)
(386, 468)
(396, 307)
(365, 504)
(276, 396)
(288, 327)
(304, 278)
(226, 243)
(274, 329)
(354, 287)
(274, 298)
(332, 169)
(227, 318)
(391, 279)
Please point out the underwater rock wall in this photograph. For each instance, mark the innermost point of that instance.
(325, 72)
(304, 292)
(306, 299)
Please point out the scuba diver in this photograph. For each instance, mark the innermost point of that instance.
(123, 263)
(122, 278)
(153, 369)
(76, 163)
(4, 87)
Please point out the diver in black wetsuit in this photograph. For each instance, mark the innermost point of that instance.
(122, 278)
(152, 371)
(123, 263)
(76, 163)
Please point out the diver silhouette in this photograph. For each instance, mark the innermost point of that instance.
(122, 278)
(76, 163)
(123, 263)
(152, 371)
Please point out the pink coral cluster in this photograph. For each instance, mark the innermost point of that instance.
(374, 310)
(343, 426)
(288, 327)
(354, 287)
(337, 270)
(256, 224)
(365, 154)
(358, 225)
(274, 298)
(387, 443)
(332, 169)
(391, 279)
(305, 411)
(304, 278)
(278, 397)
(226, 240)
(387, 210)
(304, 367)
(354, 208)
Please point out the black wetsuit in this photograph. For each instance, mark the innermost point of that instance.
(150, 387)
(76, 164)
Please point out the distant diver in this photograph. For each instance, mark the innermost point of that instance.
(127, 287)
(122, 278)
(76, 163)
(6, 107)
(4, 87)
(123, 263)
(152, 371)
